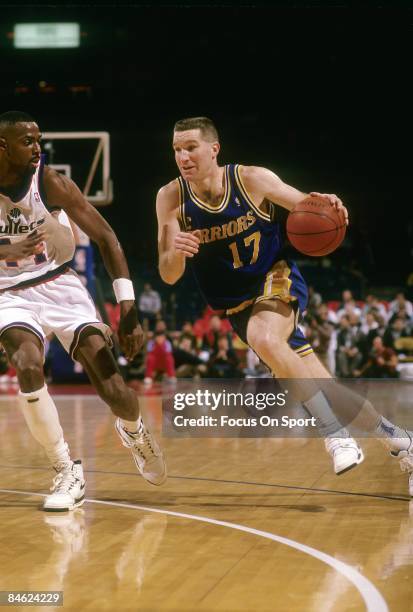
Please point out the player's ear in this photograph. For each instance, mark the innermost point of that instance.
(215, 149)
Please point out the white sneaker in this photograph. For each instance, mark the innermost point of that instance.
(146, 453)
(405, 458)
(345, 451)
(68, 489)
(147, 381)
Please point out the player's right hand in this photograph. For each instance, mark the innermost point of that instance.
(130, 331)
(187, 243)
(334, 201)
(32, 245)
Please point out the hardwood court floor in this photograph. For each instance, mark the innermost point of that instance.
(348, 540)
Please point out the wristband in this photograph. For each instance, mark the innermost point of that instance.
(123, 289)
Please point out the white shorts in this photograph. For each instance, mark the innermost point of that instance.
(61, 306)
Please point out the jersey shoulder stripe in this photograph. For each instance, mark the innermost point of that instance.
(247, 197)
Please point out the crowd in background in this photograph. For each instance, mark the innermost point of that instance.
(369, 338)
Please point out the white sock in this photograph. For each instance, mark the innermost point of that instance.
(42, 419)
(131, 426)
(392, 436)
(327, 422)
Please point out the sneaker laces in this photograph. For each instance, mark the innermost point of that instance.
(64, 481)
(334, 444)
(142, 443)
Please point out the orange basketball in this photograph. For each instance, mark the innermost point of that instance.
(315, 227)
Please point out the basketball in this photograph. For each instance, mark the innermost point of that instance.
(315, 227)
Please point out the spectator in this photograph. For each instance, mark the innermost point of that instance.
(401, 314)
(188, 331)
(369, 323)
(400, 303)
(381, 323)
(396, 330)
(370, 329)
(215, 330)
(187, 362)
(346, 297)
(349, 308)
(149, 306)
(201, 326)
(314, 299)
(224, 362)
(349, 354)
(160, 326)
(382, 362)
(373, 305)
(319, 334)
(331, 314)
(159, 358)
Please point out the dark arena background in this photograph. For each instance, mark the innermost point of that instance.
(320, 94)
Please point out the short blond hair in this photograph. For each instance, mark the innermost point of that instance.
(204, 124)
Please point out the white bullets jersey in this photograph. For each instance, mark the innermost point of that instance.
(17, 221)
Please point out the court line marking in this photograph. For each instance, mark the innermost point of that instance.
(371, 596)
(273, 485)
(285, 486)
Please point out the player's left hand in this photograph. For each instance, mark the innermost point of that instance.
(130, 332)
(334, 201)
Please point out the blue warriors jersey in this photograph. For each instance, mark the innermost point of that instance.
(240, 257)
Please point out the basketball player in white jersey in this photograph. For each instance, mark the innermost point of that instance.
(40, 294)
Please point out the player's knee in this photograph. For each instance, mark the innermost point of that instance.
(268, 345)
(29, 368)
(23, 360)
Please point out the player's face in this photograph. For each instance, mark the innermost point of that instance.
(23, 146)
(194, 156)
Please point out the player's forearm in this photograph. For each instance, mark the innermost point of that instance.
(171, 266)
(288, 196)
(114, 258)
(117, 268)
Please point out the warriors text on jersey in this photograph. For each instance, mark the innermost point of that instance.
(240, 255)
(20, 218)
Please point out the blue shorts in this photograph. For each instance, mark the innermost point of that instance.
(283, 282)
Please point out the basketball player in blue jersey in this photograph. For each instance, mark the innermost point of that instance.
(40, 294)
(222, 220)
